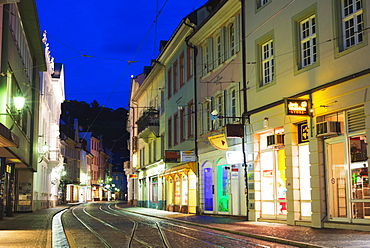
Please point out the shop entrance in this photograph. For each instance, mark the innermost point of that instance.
(273, 184)
(348, 179)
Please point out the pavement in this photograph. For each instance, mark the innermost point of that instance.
(35, 229)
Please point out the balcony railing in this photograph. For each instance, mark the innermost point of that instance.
(148, 122)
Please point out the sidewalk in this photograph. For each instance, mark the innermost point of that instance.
(28, 229)
(34, 229)
(281, 233)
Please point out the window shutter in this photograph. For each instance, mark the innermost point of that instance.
(238, 38)
(223, 44)
(356, 120)
(210, 54)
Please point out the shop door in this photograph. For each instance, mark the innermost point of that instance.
(273, 184)
(337, 179)
(208, 190)
(223, 188)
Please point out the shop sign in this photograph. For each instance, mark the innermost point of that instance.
(234, 157)
(303, 133)
(132, 176)
(187, 156)
(235, 130)
(172, 156)
(219, 141)
(297, 106)
(234, 175)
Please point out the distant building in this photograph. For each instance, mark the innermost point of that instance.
(50, 160)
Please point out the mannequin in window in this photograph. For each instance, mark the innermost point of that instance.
(281, 192)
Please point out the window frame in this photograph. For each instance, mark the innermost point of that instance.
(269, 37)
(169, 82)
(182, 69)
(267, 62)
(340, 47)
(260, 4)
(296, 23)
(175, 128)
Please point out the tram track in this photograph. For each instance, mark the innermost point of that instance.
(113, 226)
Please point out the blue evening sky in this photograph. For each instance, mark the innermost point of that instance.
(96, 39)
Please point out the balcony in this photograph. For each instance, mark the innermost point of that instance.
(148, 125)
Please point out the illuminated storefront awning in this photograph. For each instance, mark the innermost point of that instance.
(181, 168)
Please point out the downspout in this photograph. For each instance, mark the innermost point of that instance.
(244, 83)
(195, 53)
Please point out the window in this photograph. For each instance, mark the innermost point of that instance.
(232, 39)
(182, 69)
(189, 62)
(205, 59)
(206, 117)
(219, 107)
(261, 3)
(169, 82)
(305, 26)
(175, 77)
(232, 98)
(308, 41)
(175, 128)
(352, 22)
(169, 133)
(267, 58)
(182, 119)
(190, 119)
(218, 51)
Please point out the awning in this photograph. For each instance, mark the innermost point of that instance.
(180, 168)
(7, 138)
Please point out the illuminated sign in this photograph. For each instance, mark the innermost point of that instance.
(303, 133)
(188, 156)
(297, 106)
(132, 176)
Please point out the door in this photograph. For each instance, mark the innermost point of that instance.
(223, 188)
(273, 184)
(208, 190)
(337, 179)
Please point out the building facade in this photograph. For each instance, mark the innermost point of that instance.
(22, 58)
(218, 75)
(307, 111)
(50, 160)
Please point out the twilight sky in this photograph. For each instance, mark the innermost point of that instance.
(95, 40)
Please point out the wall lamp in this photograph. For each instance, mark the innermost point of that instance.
(18, 104)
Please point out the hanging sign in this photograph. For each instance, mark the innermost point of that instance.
(172, 156)
(219, 142)
(297, 106)
(187, 156)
